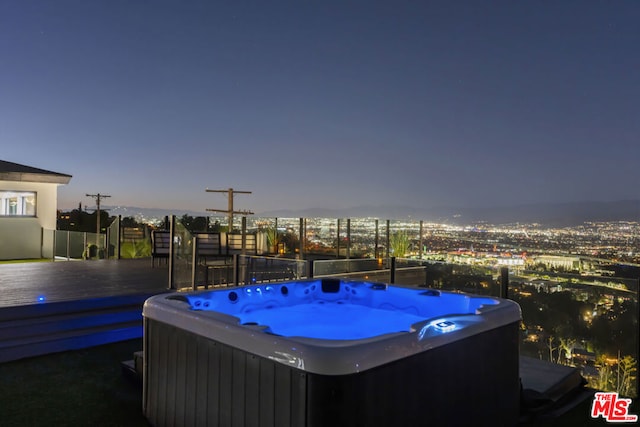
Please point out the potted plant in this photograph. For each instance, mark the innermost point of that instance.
(273, 239)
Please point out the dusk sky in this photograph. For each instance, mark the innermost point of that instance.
(324, 103)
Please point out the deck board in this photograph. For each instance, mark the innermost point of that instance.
(24, 283)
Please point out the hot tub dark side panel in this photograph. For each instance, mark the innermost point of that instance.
(193, 381)
(474, 381)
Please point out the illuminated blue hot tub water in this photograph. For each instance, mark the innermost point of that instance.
(329, 311)
(313, 352)
(331, 321)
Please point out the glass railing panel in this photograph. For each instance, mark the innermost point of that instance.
(321, 237)
(362, 240)
(61, 244)
(182, 261)
(289, 236)
(481, 280)
(135, 242)
(270, 269)
(267, 235)
(582, 321)
(342, 266)
(113, 232)
(384, 230)
(403, 238)
(79, 244)
(410, 272)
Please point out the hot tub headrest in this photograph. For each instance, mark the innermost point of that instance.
(330, 286)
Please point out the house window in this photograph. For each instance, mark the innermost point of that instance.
(17, 203)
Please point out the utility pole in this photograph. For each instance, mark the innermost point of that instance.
(98, 197)
(230, 193)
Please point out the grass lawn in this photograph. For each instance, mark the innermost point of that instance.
(74, 388)
(20, 261)
(88, 388)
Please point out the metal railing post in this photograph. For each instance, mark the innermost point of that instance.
(302, 238)
(236, 270)
(194, 259)
(172, 229)
(53, 255)
(118, 254)
(107, 242)
(310, 269)
(388, 243)
(338, 238)
(421, 242)
(376, 242)
(348, 254)
(504, 282)
(392, 271)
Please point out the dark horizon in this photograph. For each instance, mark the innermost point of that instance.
(550, 214)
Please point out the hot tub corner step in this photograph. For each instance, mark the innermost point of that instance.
(138, 360)
(133, 368)
(129, 370)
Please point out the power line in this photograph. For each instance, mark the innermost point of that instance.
(229, 211)
(98, 197)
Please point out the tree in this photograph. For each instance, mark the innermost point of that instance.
(129, 222)
(567, 345)
(194, 225)
(604, 380)
(550, 342)
(290, 240)
(616, 375)
(626, 375)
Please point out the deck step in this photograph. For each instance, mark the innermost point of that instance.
(40, 329)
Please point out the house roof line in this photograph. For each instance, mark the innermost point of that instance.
(16, 172)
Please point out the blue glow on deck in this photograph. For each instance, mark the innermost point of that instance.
(41, 298)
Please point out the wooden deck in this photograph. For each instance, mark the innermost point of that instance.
(47, 282)
(48, 307)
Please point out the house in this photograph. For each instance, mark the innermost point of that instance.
(28, 205)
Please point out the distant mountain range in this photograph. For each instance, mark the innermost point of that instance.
(551, 214)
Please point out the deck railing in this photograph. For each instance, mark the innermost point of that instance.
(588, 321)
(585, 321)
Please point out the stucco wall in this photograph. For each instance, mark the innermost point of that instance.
(21, 237)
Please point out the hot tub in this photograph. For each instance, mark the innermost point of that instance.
(330, 353)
